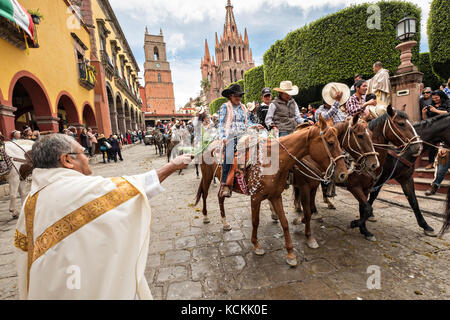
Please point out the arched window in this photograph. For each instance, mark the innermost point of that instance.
(240, 54)
(231, 75)
(243, 54)
(242, 74)
(229, 54)
(235, 75)
(234, 53)
(156, 54)
(159, 77)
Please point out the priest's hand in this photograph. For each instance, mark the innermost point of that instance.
(181, 162)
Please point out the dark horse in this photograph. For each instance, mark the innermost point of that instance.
(393, 127)
(433, 130)
(159, 141)
(446, 216)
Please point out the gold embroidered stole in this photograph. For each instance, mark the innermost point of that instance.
(70, 223)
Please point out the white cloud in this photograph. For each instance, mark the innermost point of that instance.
(175, 42)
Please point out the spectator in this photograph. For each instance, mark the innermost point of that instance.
(85, 142)
(103, 147)
(36, 135)
(425, 100)
(266, 96)
(442, 170)
(447, 88)
(357, 78)
(93, 142)
(357, 102)
(15, 135)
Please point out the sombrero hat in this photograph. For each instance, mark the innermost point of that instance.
(287, 87)
(251, 106)
(233, 89)
(329, 93)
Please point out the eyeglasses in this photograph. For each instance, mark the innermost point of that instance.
(75, 153)
(428, 92)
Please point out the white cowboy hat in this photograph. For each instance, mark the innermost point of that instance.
(329, 93)
(251, 106)
(287, 87)
(201, 110)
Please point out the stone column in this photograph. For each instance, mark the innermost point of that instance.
(7, 121)
(122, 124)
(48, 124)
(114, 121)
(406, 82)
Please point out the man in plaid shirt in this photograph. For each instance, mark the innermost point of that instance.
(357, 103)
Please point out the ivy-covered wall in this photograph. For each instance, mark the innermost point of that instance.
(439, 37)
(430, 79)
(254, 83)
(336, 47)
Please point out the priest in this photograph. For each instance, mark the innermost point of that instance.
(83, 237)
(380, 84)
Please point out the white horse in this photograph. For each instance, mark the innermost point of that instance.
(16, 151)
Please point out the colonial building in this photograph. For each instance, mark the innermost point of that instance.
(233, 57)
(158, 76)
(74, 68)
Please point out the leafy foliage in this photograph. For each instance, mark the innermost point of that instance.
(254, 83)
(336, 47)
(439, 37)
(430, 79)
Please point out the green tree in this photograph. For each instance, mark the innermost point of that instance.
(439, 37)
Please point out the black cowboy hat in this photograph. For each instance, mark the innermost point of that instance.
(233, 89)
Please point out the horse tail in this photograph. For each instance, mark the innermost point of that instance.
(199, 192)
(446, 225)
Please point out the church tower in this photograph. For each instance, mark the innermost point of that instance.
(158, 76)
(233, 57)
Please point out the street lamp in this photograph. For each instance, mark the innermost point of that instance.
(406, 28)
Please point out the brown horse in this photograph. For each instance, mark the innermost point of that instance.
(392, 127)
(354, 138)
(319, 141)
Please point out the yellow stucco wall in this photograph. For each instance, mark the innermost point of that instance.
(99, 14)
(54, 63)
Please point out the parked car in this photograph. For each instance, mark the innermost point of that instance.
(148, 139)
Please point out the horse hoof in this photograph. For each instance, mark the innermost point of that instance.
(227, 227)
(274, 217)
(260, 252)
(206, 220)
(312, 244)
(292, 261)
(371, 238)
(430, 233)
(372, 219)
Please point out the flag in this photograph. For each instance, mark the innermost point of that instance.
(13, 10)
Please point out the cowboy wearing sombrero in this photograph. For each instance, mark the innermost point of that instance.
(234, 119)
(334, 96)
(283, 112)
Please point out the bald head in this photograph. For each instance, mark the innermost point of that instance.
(377, 66)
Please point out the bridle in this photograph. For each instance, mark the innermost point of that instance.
(331, 168)
(405, 144)
(362, 156)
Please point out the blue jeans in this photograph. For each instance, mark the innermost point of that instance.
(230, 150)
(440, 173)
(283, 134)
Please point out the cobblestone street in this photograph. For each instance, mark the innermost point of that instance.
(190, 260)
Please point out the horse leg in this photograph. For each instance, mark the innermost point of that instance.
(326, 200)
(291, 259)
(297, 200)
(365, 210)
(13, 188)
(307, 199)
(314, 212)
(226, 226)
(274, 215)
(410, 193)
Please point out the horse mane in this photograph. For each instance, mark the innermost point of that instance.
(381, 119)
(429, 122)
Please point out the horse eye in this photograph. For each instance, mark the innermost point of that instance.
(401, 124)
(360, 136)
(331, 144)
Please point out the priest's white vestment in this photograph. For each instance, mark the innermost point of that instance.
(380, 85)
(83, 237)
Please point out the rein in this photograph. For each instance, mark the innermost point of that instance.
(331, 168)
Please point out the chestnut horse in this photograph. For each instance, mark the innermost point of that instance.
(319, 141)
(392, 127)
(354, 138)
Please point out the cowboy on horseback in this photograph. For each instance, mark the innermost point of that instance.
(234, 119)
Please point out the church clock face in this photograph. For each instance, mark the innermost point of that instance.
(158, 65)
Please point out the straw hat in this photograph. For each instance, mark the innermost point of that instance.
(329, 93)
(287, 87)
(251, 106)
(377, 111)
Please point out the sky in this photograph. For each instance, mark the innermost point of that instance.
(187, 23)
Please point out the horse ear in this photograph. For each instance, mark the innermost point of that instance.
(403, 108)
(330, 122)
(390, 111)
(322, 123)
(355, 119)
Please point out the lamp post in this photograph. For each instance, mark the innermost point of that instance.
(406, 30)
(406, 82)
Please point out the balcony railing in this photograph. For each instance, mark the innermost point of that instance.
(107, 64)
(87, 75)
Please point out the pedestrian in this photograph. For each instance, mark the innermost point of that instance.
(234, 120)
(251, 107)
(283, 112)
(140, 135)
(357, 102)
(36, 135)
(27, 133)
(98, 227)
(85, 141)
(119, 152)
(447, 88)
(93, 142)
(266, 96)
(103, 147)
(441, 171)
(112, 152)
(128, 137)
(334, 95)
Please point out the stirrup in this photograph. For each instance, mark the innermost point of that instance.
(223, 193)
